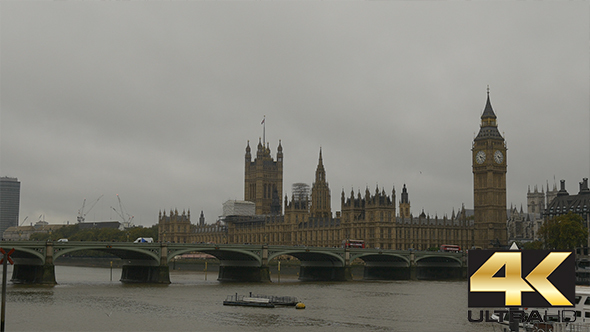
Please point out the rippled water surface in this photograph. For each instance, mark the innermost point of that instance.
(86, 300)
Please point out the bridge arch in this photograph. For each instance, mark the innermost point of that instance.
(307, 255)
(439, 267)
(22, 254)
(142, 263)
(394, 259)
(236, 262)
(130, 253)
(440, 260)
(225, 254)
(385, 265)
(317, 264)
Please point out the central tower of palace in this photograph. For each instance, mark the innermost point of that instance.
(263, 180)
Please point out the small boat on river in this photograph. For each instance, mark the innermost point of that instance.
(253, 300)
(242, 300)
(277, 300)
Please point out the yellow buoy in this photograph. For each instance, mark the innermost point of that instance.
(300, 305)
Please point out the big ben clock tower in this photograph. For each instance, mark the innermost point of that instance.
(489, 182)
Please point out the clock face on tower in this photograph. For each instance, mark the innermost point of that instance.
(498, 157)
(480, 157)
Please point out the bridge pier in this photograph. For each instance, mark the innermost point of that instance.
(245, 270)
(148, 271)
(33, 274)
(413, 267)
(31, 271)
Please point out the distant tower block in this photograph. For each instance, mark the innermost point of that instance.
(9, 202)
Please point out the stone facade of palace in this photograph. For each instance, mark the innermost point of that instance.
(373, 217)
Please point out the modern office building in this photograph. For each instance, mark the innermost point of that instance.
(9, 202)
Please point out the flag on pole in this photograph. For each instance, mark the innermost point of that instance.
(262, 120)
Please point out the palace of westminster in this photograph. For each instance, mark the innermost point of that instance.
(373, 217)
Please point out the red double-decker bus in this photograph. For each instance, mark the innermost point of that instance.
(353, 243)
(450, 248)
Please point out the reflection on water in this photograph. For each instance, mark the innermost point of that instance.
(86, 300)
(30, 294)
(263, 320)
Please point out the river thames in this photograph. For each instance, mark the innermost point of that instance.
(85, 299)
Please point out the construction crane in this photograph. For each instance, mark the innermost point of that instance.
(23, 222)
(81, 214)
(127, 221)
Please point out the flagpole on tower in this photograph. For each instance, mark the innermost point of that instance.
(264, 130)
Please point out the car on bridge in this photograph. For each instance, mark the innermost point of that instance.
(144, 240)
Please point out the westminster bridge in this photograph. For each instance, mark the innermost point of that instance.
(148, 262)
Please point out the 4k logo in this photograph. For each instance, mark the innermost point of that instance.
(529, 278)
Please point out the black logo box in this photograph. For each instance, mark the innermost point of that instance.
(563, 278)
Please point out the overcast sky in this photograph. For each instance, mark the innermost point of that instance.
(156, 101)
